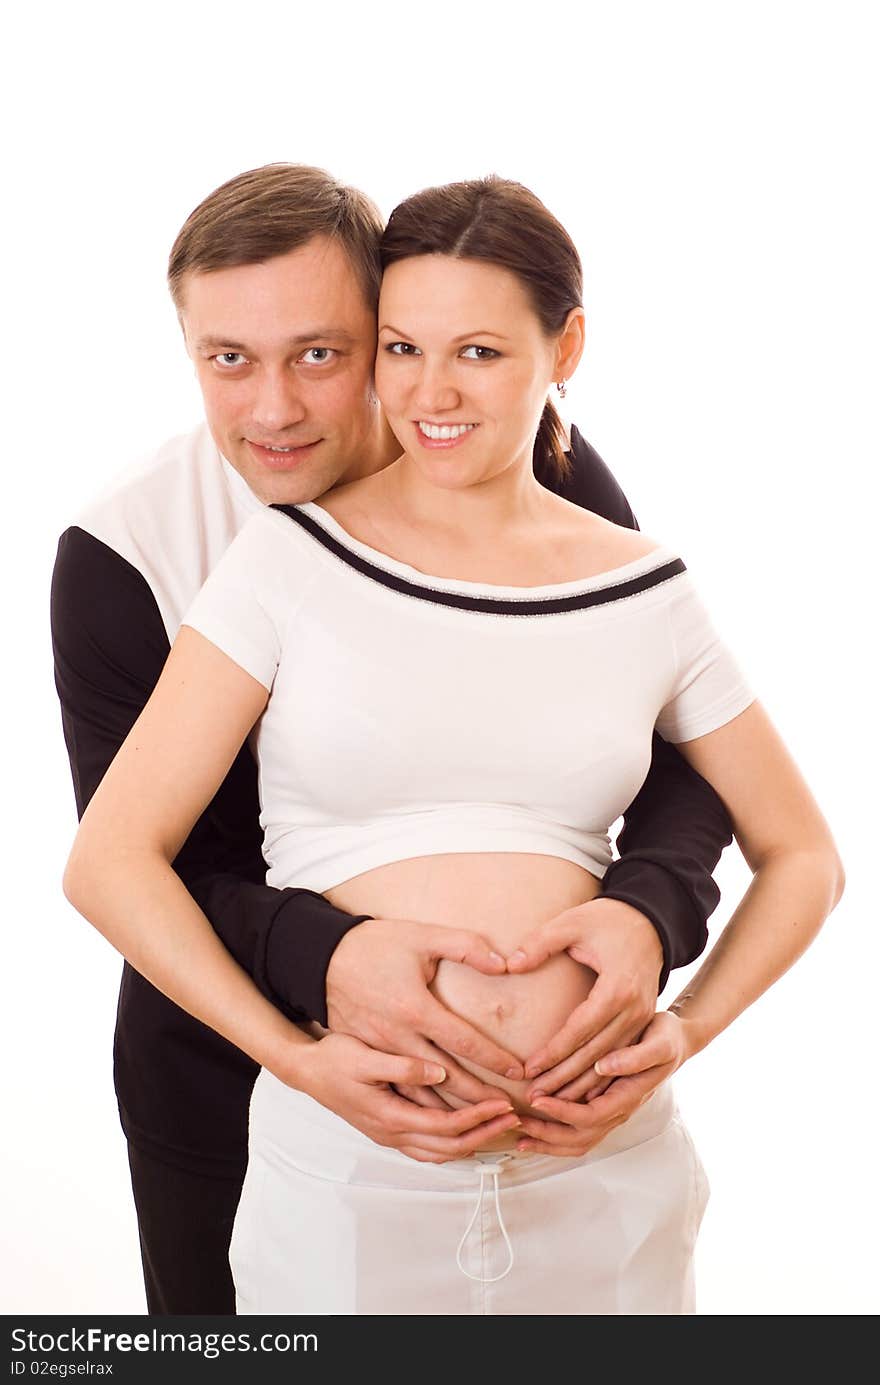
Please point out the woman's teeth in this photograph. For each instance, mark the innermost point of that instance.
(444, 432)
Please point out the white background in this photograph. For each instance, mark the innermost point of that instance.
(716, 164)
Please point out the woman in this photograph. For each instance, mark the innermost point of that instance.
(438, 603)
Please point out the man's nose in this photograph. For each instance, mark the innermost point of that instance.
(277, 404)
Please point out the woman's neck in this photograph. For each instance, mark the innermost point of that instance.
(470, 514)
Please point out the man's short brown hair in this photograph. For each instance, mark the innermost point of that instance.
(269, 211)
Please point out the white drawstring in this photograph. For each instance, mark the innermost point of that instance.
(493, 1172)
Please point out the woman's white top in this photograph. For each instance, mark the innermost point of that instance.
(413, 715)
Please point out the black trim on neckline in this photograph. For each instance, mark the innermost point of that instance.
(615, 591)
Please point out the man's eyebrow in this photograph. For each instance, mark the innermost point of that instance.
(215, 343)
(465, 336)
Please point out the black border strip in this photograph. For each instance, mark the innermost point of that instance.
(491, 605)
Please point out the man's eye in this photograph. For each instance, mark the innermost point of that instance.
(479, 353)
(227, 360)
(402, 348)
(318, 355)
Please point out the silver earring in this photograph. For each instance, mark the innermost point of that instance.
(560, 385)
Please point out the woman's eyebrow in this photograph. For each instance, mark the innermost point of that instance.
(481, 332)
(465, 336)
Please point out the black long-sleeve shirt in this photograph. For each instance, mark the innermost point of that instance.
(123, 577)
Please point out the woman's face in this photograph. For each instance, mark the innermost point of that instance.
(463, 367)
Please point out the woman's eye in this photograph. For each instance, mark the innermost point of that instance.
(228, 360)
(318, 355)
(479, 353)
(402, 348)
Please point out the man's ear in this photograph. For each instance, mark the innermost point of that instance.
(570, 344)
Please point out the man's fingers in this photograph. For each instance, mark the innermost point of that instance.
(587, 1023)
(460, 945)
(541, 943)
(462, 1040)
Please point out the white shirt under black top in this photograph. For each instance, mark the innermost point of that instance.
(124, 577)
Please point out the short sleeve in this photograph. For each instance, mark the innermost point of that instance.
(237, 608)
(708, 686)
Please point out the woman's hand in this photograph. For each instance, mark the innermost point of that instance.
(355, 1082)
(573, 1127)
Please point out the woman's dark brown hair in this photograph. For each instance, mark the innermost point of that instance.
(504, 224)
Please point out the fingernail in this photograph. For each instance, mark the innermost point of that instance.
(597, 1067)
(496, 957)
(523, 1146)
(518, 956)
(540, 1104)
(537, 1096)
(532, 1070)
(436, 1074)
(514, 1073)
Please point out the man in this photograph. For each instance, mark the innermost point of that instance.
(275, 278)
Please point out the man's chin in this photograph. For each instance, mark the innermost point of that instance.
(289, 487)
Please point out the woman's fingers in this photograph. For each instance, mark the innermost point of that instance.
(458, 1082)
(405, 1118)
(581, 1062)
(587, 1087)
(428, 1097)
(459, 1147)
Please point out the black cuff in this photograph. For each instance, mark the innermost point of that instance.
(303, 937)
(657, 894)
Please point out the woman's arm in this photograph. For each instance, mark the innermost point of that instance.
(798, 879)
(798, 875)
(119, 876)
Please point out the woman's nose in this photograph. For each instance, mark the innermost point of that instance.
(436, 393)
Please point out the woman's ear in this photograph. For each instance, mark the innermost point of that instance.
(570, 345)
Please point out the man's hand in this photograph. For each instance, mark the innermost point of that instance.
(377, 991)
(623, 948)
(572, 1128)
(354, 1081)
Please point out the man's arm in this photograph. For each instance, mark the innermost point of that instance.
(676, 828)
(110, 645)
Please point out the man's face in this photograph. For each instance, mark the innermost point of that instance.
(284, 353)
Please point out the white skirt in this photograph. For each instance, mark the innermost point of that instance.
(332, 1223)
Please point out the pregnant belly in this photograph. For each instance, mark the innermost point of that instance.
(502, 896)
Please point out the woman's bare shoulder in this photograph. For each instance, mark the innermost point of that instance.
(613, 543)
(351, 504)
